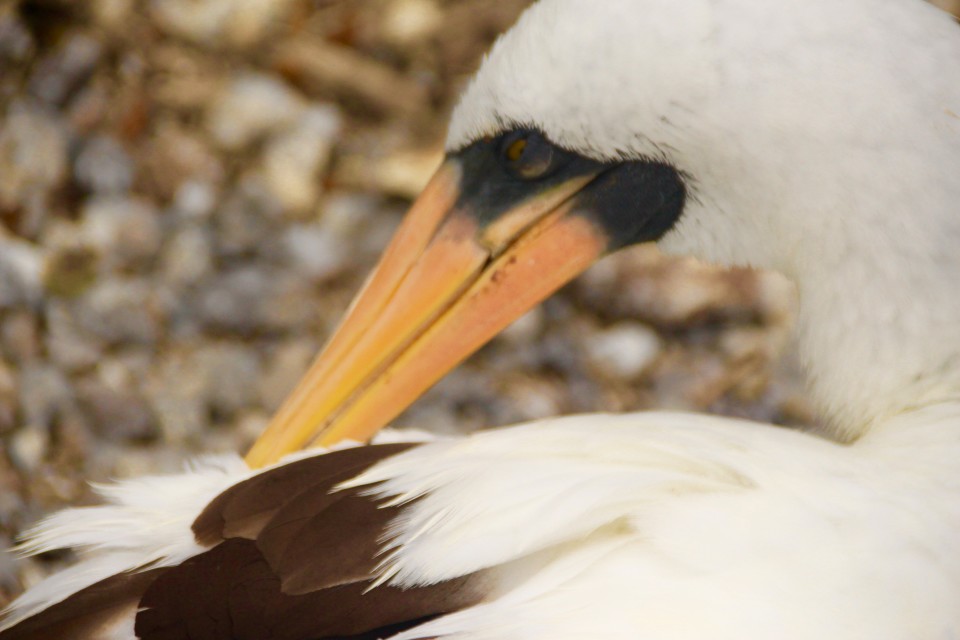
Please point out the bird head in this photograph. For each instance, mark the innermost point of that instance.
(595, 126)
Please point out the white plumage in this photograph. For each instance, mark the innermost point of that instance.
(820, 138)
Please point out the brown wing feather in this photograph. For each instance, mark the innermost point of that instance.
(90, 613)
(291, 559)
(243, 509)
(231, 593)
(347, 534)
(305, 574)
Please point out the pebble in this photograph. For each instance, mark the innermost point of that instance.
(284, 369)
(289, 305)
(235, 23)
(70, 270)
(188, 256)
(103, 166)
(116, 414)
(175, 156)
(252, 299)
(111, 14)
(245, 430)
(349, 215)
(175, 390)
(232, 374)
(134, 462)
(247, 220)
(68, 345)
(21, 273)
(120, 310)
(8, 397)
(746, 343)
(33, 152)
(526, 328)
(314, 252)
(669, 292)
(776, 298)
(364, 221)
(20, 336)
(27, 448)
(125, 231)
(59, 73)
(230, 300)
(251, 106)
(295, 159)
(403, 173)
(194, 199)
(624, 350)
(532, 398)
(407, 22)
(44, 394)
(16, 43)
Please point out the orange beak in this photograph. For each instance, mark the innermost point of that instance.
(449, 282)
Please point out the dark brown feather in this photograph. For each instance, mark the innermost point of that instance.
(291, 559)
(346, 533)
(306, 573)
(243, 509)
(231, 593)
(89, 613)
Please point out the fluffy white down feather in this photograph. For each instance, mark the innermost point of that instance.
(145, 522)
(674, 526)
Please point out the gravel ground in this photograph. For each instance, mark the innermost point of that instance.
(192, 190)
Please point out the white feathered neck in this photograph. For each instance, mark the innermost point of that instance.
(835, 161)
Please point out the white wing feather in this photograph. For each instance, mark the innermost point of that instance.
(673, 526)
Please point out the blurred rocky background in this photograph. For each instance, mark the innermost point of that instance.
(192, 190)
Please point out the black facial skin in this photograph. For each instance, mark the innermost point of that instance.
(631, 201)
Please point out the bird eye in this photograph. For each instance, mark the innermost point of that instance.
(528, 155)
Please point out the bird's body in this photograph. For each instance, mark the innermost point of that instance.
(649, 525)
(821, 139)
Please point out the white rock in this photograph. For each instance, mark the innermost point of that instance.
(404, 173)
(315, 252)
(16, 42)
(21, 273)
(188, 256)
(44, 394)
(624, 350)
(251, 106)
(295, 159)
(28, 447)
(250, 298)
(408, 21)
(125, 230)
(195, 199)
(350, 215)
(71, 62)
(68, 346)
(232, 372)
(33, 151)
(526, 328)
(175, 390)
(120, 311)
(233, 22)
(104, 166)
(111, 14)
(284, 368)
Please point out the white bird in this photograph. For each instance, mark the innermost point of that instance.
(818, 138)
